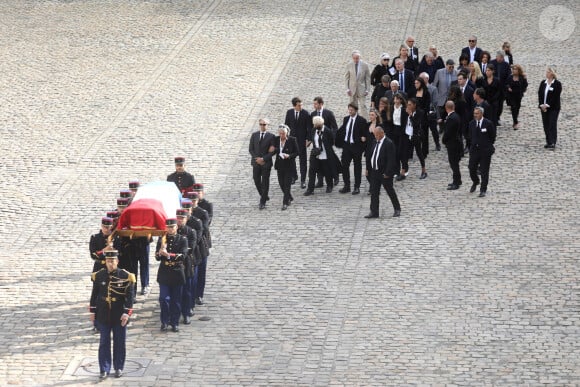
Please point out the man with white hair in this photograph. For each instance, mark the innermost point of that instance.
(358, 82)
(390, 94)
(321, 156)
(432, 113)
(413, 50)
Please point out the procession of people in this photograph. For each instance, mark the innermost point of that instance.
(119, 260)
(410, 98)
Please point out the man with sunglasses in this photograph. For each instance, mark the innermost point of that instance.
(261, 160)
(472, 51)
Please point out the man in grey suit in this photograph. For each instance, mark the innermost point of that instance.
(358, 82)
(442, 81)
(261, 160)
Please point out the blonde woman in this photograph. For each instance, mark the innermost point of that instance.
(476, 77)
(549, 104)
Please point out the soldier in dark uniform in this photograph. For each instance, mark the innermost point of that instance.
(99, 242)
(200, 250)
(182, 179)
(111, 305)
(171, 251)
(203, 202)
(202, 215)
(186, 231)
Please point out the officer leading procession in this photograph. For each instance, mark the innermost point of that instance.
(177, 213)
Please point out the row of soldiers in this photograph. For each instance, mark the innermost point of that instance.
(182, 252)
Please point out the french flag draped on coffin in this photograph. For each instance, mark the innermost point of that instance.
(153, 203)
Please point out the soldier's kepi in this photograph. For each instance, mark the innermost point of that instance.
(111, 305)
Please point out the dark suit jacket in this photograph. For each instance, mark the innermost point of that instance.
(387, 162)
(553, 98)
(299, 129)
(484, 138)
(329, 119)
(419, 123)
(360, 129)
(451, 135)
(397, 132)
(290, 148)
(259, 148)
(477, 56)
(390, 95)
(409, 82)
(502, 71)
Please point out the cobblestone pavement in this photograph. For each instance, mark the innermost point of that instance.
(458, 290)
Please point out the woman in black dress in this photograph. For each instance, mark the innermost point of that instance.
(516, 86)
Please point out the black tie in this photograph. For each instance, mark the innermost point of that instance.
(297, 116)
(319, 138)
(376, 155)
(479, 125)
(261, 137)
(319, 113)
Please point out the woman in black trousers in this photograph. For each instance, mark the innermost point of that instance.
(517, 84)
(549, 103)
(286, 149)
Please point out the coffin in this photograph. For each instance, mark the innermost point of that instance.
(153, 203)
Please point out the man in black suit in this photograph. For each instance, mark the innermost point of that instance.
(452, 140)
(286, 149)
(413, 51)
(503, 71)
(405, 77)
(383, 166)
(483, 135)
(330, 123)
(261, 160)
(321, 156)
(300, 124)
(394, 89)
(351, 137)
(472, 51)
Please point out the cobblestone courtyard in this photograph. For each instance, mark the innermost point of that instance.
(457, 291)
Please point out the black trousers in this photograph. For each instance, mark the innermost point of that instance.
(285, 181)
(516, 104)
(262, 180)
(378, 180)
(434, 132)
(481, 159)
(302, 159)
(351, 155)
(320, 167)
(407, 144)
(454, 157)
(550, 122)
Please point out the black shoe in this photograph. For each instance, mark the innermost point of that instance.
(423, 175)
(438, 147)
(118, 373)
(191, 313)
(552, 146)
(174, 328)
(284, 207)
(397, 213)
(308, 193)
(163, 328)
(262, 206)
(452, 187)
(336, 181)
(199, 301)
(187, 320)
(293, 181)
(344, 190)
(473, 187)
(482, 194)
(319, 185)
(303, 185)
(328, 189)
(355, 191)
(267, 198)
(371, 216)
(95, 330)
(401, 177)
(546, 146)
(103, 375)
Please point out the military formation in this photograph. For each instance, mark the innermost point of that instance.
(182, 252)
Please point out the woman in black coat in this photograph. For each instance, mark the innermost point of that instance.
(492, 92)
(549, 104)
(516, 86)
